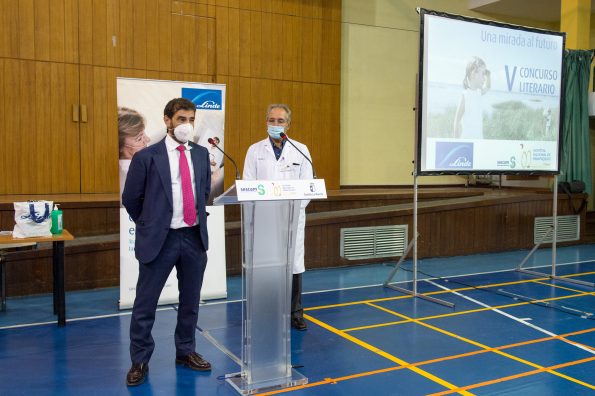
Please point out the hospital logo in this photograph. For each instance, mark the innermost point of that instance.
(454, 155)
(204, 99)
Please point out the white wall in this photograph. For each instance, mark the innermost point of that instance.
(379, 64)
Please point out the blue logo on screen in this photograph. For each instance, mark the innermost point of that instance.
(204, 99)
(454, 155)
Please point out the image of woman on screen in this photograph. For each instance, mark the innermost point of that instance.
(131, 138)
(468, 122)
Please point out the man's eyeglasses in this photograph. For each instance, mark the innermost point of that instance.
(278, 120)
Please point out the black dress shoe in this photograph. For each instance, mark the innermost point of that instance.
(194, 361)
(137, 374)
(298, 323)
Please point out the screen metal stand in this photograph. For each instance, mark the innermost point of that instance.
(554, 231)
(413, 244)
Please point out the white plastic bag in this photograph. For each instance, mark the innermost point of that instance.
(33, 219)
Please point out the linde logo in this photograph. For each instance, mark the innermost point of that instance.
(461, 162)
(204, 99)
(454, 155)
(209, 104)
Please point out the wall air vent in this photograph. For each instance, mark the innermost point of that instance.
(373, 242)
(569, 229)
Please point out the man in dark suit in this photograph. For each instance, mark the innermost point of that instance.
(165, 194)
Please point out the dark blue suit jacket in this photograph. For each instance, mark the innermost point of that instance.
(148, 198)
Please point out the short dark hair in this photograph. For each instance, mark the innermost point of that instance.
(177, 104)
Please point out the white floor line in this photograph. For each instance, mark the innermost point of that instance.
(446, 277)
(78, 319)
(516, 319)
(310, 292)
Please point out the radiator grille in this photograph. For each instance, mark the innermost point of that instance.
(373, 242)
(568, 229)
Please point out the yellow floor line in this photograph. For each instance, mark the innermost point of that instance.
(560, 287)
(414, 367)
(482, 346)
(520, 375)
(467, 311)
(443, 291)
(384, 354)
(335, 380)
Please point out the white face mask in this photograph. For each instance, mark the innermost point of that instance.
(275, 131)
(183, 132)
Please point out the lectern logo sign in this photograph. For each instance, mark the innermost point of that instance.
(260, 189)
(277, 190)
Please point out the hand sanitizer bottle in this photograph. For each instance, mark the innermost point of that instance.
(56, 220)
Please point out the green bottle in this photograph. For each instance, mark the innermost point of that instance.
(56, 220)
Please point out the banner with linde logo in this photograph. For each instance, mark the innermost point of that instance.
(140, 124)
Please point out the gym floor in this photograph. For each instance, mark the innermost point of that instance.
(509, 333)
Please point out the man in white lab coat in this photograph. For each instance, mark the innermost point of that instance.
(275, 159)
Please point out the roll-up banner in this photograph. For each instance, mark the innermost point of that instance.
(140, 124)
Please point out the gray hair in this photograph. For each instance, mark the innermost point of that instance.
(280, 106)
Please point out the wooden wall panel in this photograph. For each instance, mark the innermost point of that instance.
(71, 31)
(165, 36)
(65, 174)
(41, 162)
(39, 29)
(99, 138)
(290, 57)
(9, 34)
(139, 35)
(56, 36)
(71, 51)
(4, 137)
(42, 29)
(26, 29)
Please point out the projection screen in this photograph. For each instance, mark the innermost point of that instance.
(490, 97)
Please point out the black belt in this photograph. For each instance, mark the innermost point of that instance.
(185, 229)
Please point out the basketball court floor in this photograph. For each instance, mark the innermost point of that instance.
(508, 334)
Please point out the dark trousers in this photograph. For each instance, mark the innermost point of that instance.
(183, 250)
(297, 311)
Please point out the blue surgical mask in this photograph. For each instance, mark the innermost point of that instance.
(275, 131)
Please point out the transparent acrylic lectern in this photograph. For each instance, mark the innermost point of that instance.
(268, 244)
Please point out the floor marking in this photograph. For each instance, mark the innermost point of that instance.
(516, 319)
(480, 287)
(78, 319)
(560, 287)
(327, 381)
(332, 290)
(384, 354)
(518, 304)
(480, 345)
(512, 269)
(520, 375)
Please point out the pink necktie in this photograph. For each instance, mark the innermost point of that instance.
(187, 194)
